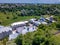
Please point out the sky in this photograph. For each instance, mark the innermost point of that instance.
(29, 1)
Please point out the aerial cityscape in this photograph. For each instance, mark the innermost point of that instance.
(31, 22)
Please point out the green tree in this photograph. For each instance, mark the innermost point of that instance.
(19, 40)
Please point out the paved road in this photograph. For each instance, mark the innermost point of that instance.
(57, 32)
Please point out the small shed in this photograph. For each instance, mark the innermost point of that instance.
(42, 19)
(36, 23)
(32, 21)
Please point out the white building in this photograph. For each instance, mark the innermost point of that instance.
(21, 30)
(18, 24)
(32, 21)
(50, 19)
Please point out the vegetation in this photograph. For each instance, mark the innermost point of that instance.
(45, 34)
(3, 41)
(10, 13)
(7, 19)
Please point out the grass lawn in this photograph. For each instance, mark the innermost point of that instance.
(4, 21)
(57, 38)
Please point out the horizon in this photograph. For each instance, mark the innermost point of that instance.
(30, 1)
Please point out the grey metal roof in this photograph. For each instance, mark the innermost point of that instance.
(13, 36)
(3, 29)
(31, 29)
(22, 30)
(42, 19)
(19, 29)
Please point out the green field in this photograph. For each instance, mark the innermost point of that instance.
(4, 21)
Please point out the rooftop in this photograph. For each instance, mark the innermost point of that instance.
(18, 23)
(3, 29)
